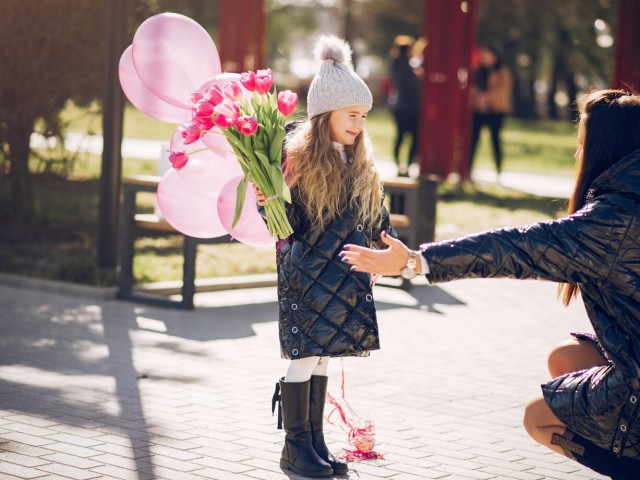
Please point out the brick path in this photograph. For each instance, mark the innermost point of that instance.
(112, 390)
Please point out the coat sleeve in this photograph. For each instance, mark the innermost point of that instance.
(579, 248)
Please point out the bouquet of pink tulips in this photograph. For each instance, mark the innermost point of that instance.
(254, 128)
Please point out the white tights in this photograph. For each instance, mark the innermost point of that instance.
(302, 369)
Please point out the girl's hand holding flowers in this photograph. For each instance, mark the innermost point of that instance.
(261, 198)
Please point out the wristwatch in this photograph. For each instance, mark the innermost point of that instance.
(409, 270)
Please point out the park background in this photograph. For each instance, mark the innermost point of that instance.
(53, 86)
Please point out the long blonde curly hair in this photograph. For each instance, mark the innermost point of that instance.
(325, 183)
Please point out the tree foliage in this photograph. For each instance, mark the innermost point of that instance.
(52, 51)
(551, 46)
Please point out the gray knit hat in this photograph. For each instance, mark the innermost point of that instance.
(336, 85)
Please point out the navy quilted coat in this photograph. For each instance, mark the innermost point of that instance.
(325, 309)
(597, 247)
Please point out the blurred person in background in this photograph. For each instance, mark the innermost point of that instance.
(404, 100)
(490, 101)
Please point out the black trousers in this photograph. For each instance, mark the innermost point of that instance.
(406, 123)
(494, 121)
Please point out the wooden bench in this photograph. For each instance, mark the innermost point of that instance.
(403, 204)
(134, 225)
(403, 198)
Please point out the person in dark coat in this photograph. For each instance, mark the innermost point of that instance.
(590, 411)
(326, 310)
(405, 104)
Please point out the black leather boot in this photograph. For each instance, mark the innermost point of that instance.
(298, 454)
(316, 415)
(596, 458)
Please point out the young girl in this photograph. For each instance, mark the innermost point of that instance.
(325, 309)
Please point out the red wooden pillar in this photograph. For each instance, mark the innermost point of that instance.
(627, 68)
(242, 35)
(449, 27)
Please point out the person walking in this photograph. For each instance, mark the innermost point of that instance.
(325, 309)
(490, 102)
(590, 410)
(405, 104)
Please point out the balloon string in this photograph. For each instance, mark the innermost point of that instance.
(354, 428)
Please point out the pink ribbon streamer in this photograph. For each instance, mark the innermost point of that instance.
(359, 432)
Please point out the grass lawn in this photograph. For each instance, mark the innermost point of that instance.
(60, 242)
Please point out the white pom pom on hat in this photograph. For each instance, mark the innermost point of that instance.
(330, 47)
(336, 85)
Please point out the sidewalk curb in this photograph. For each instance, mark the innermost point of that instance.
(57, 286)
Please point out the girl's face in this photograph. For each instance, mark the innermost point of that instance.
(347, 123)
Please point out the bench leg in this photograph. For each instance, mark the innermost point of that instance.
(190, 246)
(127, 245)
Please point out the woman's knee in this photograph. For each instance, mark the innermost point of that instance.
(559, 358)
(531, 417)
(573, 355)
(538, 417)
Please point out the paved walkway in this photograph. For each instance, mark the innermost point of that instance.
(103, 389)
(113, 390)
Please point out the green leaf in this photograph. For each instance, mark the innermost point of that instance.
(279, 185)
(240, 193)
(263, 157)
(275, 152)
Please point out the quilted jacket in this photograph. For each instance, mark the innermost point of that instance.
(597, 247)
(324, 308)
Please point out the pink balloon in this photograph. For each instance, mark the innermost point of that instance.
(207, 172)
(173, 56)
(219, 144)
(251, 228)
(222, 79)
(187, 210)
(142, 98)
(216, 144)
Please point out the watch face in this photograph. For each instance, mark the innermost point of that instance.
(408, 273)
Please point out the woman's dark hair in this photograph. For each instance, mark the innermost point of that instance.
(497, 53)
(608, 130)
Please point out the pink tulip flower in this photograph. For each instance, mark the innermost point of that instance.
(178, 159)
(203, 109)
(233, 91)
(203, 123)
(194, 98)
(287, 101)
(226, 114)
(190, 132)
(264, 80)
(213, 94)
(247, 125)
(248, 80)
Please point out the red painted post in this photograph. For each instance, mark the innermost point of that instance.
(627, 67)
(242, 32)
(449, 26)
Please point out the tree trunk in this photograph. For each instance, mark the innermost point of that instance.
(572, 92)
(524, 98)
(18, 137)
(552, 108)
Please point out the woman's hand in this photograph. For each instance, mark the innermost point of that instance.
(385, 262)
(261, 199)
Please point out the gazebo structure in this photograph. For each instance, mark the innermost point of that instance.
(444, 130)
